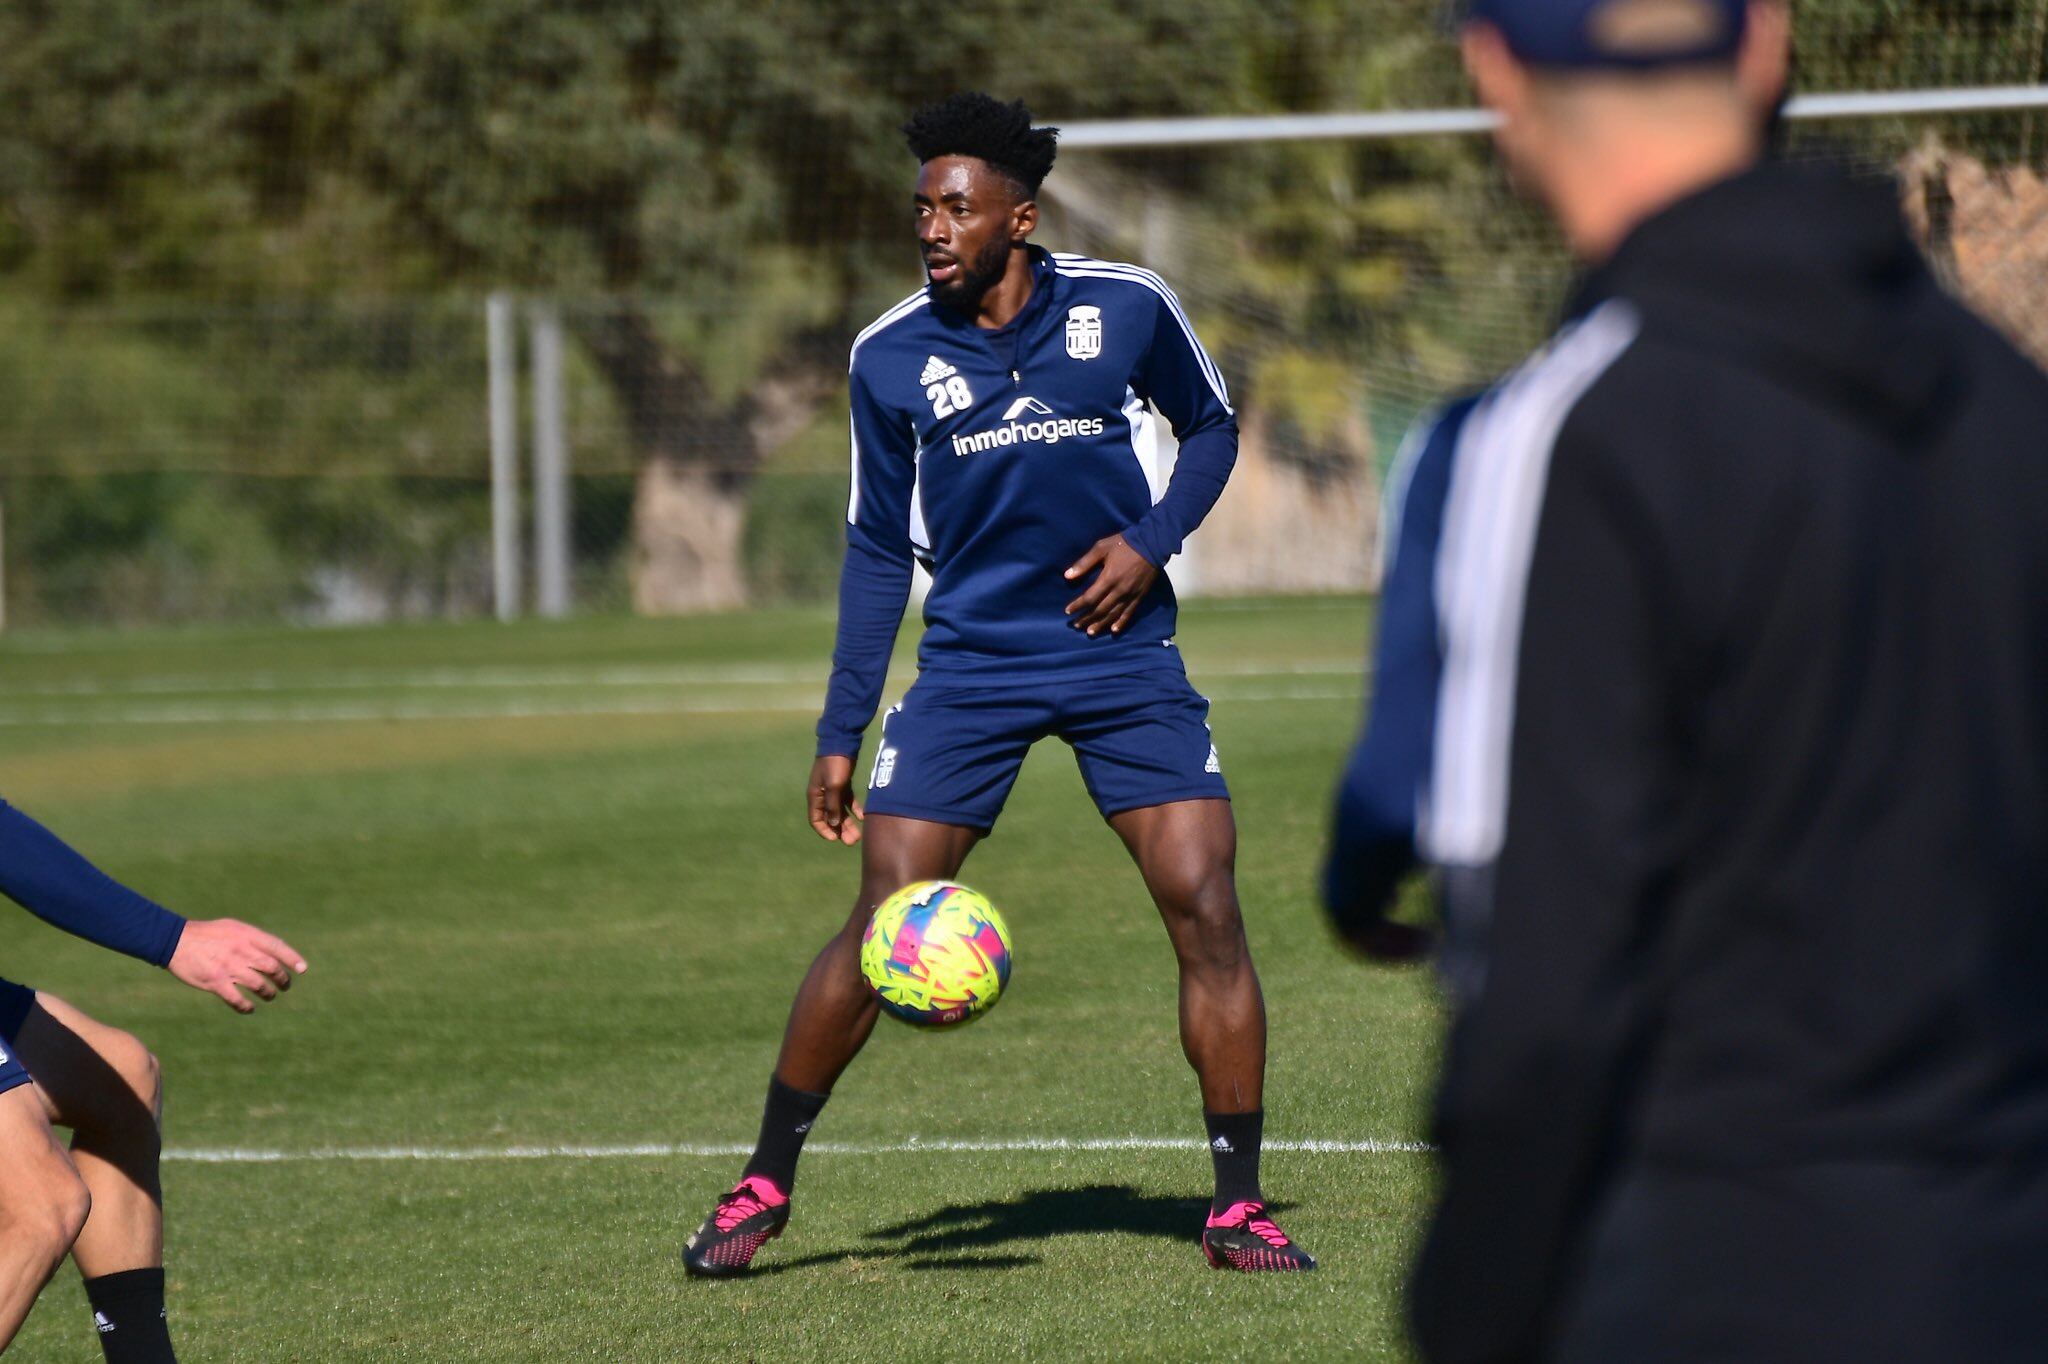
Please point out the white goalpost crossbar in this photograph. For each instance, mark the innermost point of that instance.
(1195, 132)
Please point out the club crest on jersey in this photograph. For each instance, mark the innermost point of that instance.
(1084, 332)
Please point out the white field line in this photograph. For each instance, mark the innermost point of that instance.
(245, 1155)
(487, 679)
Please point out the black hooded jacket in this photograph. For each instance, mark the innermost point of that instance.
(1753, 871)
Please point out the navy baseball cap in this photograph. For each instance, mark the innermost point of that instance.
(1632, 35)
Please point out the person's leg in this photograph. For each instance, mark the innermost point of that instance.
(105, 1086)
(828, 1025)
(43, 1202)
(944, 763)
(1143, 746)
(834, 1011)
(1187, 853)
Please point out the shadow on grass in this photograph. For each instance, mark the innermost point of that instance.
(949, 1237)
(1043, 1213)
(881, 1254)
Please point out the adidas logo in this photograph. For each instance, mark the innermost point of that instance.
(99, 1319)
(1222, 1144)
(936, 369)
(1214, 764)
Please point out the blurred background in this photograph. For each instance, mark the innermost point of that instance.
(258, 258)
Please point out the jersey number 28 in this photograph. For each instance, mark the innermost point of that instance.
(949, 397)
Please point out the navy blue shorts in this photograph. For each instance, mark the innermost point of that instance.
(15, 1002)
(950, 753)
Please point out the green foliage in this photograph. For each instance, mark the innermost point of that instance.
(158, 462)
(224, 198)
(794, 536)
(1880, 44)
(796, 514)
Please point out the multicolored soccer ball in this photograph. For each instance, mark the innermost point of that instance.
(936, 954)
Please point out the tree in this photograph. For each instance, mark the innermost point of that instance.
(742, 157)
(714, 191)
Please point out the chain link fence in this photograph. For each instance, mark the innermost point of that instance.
(244, 371)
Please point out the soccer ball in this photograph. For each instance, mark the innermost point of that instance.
(935, 954)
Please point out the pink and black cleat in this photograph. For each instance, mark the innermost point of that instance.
(746, 1219)
(1244, 1237)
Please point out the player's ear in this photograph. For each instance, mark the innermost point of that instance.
(1497, 78)
(1023, 220)
(1763, 66)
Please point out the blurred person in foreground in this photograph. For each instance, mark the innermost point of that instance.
(1004, 436)
(1373, 849)
(101, 1202)
(1737, 781)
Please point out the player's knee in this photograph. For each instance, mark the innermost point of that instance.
(139, 1070)
(48, 1219)
(863, 910)
(875, 887)
(124, 1107)
(1212, 927)
(71, 1207)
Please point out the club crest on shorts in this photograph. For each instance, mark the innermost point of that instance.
(1084, 332)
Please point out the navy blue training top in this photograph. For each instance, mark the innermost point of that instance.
(1373, 841)
(999, 457)
(44, 876)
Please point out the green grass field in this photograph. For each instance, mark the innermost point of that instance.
(557, 890)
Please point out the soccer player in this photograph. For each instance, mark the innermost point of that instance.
(1739, 783)
(1003, 434)
(100, 1202)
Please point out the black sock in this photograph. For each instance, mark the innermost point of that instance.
(785, 1122)
(1234, 1147)
(128, 1309)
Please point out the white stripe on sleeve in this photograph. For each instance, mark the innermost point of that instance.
(853, 496)
(1145, 442)
(1482, 580)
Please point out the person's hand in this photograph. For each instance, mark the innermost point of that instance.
(836, 812)
(1114, 597)
(1387, 940)
(226, 956)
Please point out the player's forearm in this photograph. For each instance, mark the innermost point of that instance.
(1199, 475)
(1372, 848)
(1373, 844)
(46, 877)
(874, 586)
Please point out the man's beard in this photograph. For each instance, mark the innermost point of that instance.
(964, 291)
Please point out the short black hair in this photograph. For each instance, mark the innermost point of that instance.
(979, 125)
